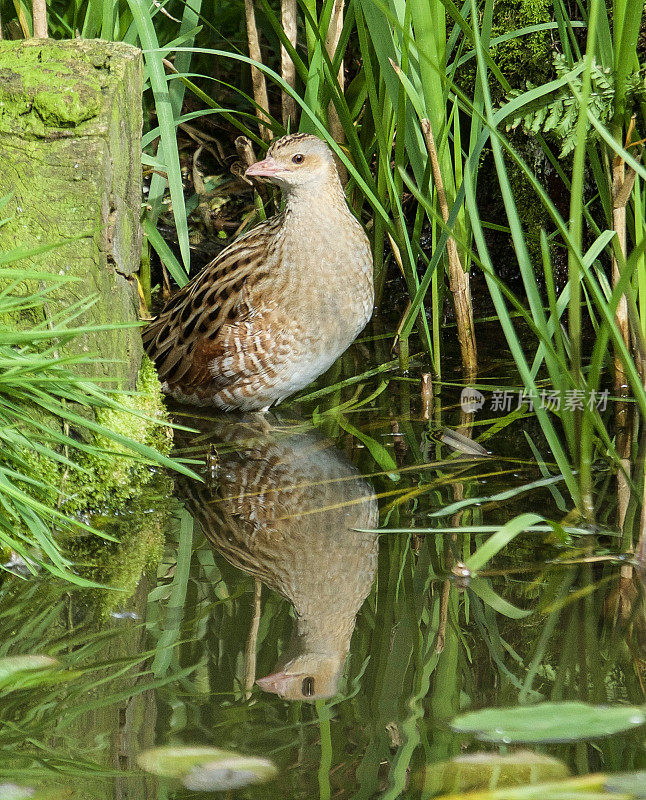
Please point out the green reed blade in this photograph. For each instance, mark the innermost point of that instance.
(165, 115)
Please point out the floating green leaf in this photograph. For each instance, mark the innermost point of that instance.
(206, 769)
(548, 722)
(633, 783)
(26, 671)
(492, 770)
(10, 791)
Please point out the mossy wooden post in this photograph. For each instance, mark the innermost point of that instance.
(70, 130)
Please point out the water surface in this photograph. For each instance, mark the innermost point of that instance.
(366, 644)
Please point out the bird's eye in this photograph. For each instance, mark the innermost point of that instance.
(308, 687)
(298, 158)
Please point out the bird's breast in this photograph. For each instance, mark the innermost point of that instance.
(330, 265)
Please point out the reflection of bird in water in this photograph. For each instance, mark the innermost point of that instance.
(284, 511)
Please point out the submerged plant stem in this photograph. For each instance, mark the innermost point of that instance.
(252, 641)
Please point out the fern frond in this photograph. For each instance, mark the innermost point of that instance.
(557, 111)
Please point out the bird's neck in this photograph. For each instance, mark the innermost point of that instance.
(323, 634)
(322, 199)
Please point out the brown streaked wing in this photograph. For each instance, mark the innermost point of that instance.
(247, 353)
(185, 336)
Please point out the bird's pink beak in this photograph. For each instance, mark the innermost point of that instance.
(264, 169)
(276, 682)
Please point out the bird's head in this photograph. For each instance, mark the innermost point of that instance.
(310, 676)
(297, 161)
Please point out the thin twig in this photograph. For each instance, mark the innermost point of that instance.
(204, 140)
(161, 8)
(257, 77)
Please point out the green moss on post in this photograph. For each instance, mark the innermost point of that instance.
(528, 57)
(70, 129)
(139, 546)
(103, 483)
(70, 140)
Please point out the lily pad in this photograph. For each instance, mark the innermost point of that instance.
(11, 791)
(491, 771)
(206, 769)
(548, 722)
(632, 783)
(26, 671)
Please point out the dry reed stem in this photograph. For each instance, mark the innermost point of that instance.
(640, 550)
(400, 346)
(331, 43)
(257, 77)
(244, 148)
(619, 226)
(396, 254)
(400, 447)
(202, 195)
(622, 410)
(458, 278)
(465, 426)
(39, 11)
(252, 641)
(640, 553)
(289, 21)
(427, 395)
(444, 616)
(400, 326)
